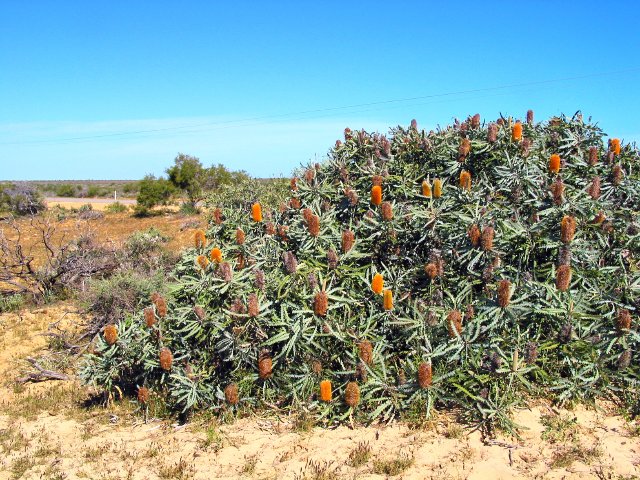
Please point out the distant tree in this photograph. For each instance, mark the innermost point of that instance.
(190, 177)
(152, 191)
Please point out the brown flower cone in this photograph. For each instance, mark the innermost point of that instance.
(265, 367)
(387, 211)
(454, 323)
(387, 300)
(557, 191)
(567, 229)
(437, 188)
(474, 235)
(425, 375)
(487, 238)
(332, 259)
(320, 304)
(352, 394)
(563, 278)
(199, 239)
(376, 180)
(316, 366)
(240, 236)
(309, 175)
(465, 180)
(348, 239)
(231, 394)
(253, 308)
(226, 272)
(294, 203)
(464, 148)
(143, 395)
(149, 317)
(294, 184)
(616, 175)
(475, 121)
(624, 360)
(217, 216)
(530, 117)
(110, 334)
(594, 188)
(431, 269)
(376, 195)
(200, 312)
(469, 313)
(492, 133)
(202, 262)
(365, 352)
(314, 225)
(504, 293)
(326, 393)
(623, 320)
(166, 359)
(593, 156)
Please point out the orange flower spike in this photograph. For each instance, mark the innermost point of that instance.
(376, 195)
(387, 302)
(516, 132)
(554, 163)
(437, 188)
(216, 255)
(325, 391)
(426, 189)
(377, 284)
(256, 212)
(615, 146)
(202, 261)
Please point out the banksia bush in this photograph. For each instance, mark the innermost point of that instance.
(425, 375)
(352, 394)
(554, 163)
(166, 358)
(110, 334)
(504, 293)
(376, 195)
(377, 284)
(444, 256)
(199, 239)
(326, 393)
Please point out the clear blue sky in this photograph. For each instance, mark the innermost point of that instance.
(197, 71)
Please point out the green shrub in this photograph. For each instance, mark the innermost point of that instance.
(10, 303)
(116, 207)
(497, 295)
(65, 190)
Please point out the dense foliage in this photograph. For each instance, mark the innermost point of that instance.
(472, 266)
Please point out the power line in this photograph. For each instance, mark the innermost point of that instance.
(230, 123)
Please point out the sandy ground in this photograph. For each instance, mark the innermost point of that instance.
(96, 203)
(115, 227)
(51, 430)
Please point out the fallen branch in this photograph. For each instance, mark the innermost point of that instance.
(42, 374)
